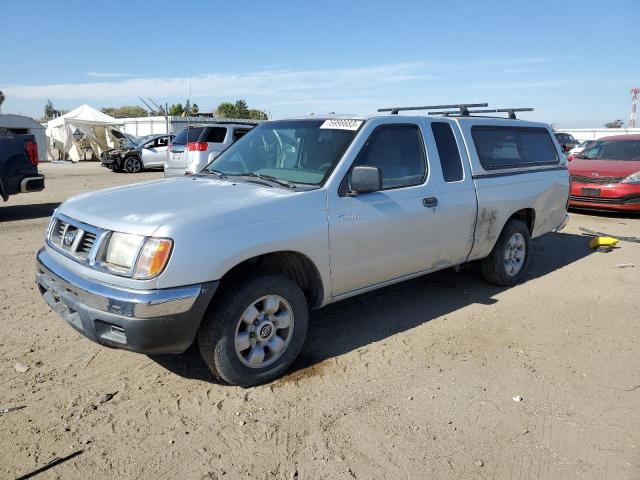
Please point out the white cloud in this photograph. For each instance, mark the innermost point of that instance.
(108, 75)
(273, 83)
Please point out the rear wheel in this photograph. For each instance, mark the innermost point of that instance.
(508, 260)
(132, 165)
(254, 332)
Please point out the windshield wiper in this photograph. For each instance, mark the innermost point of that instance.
(217, 173)
(265, 178)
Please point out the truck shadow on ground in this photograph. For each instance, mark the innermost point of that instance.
(354, 323)
(12, 213)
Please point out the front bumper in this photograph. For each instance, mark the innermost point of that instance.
(613, 196)
(145, 321)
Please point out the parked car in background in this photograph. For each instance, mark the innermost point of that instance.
(606, 174)
(133, 156)
(577, 149)
(233, 257)
(566, 141)
(195, 147)
(19, 165)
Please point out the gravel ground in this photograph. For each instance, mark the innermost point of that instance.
(417, 380)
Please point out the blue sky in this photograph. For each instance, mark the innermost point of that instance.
(573, 61)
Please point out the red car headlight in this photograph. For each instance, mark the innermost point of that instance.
(633, 178)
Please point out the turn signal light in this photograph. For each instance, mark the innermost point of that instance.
(153, 258)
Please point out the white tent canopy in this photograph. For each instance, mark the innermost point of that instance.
(95, 127)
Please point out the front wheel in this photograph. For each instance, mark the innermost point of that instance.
(254, 332)
(132, 165)
(506, 264)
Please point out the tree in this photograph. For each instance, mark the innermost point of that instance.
(126, 111)
(49, 111)
(255, 114)
(617, 124)
(226, 110)
(242, 110)
(195, 109)
(239, 109)
(176, 109)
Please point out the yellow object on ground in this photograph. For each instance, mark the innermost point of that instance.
(603, 242)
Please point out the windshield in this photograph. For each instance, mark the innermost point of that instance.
(612, 150)
(141, 140)
(297, 151)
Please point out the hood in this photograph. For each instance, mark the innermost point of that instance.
(604, 168)
(144, 207)
(120, 150)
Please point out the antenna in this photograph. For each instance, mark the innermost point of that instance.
(462, 106)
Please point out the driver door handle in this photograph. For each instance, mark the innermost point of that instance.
(430, 202)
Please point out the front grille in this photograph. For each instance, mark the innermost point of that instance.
(87, 242)
(611, 201)
(75, 239)
(595, 180)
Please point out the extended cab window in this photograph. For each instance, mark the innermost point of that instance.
(216, 134)
(398, 151)
(509, 147)
(447, 151)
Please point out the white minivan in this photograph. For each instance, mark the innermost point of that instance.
(196, 146)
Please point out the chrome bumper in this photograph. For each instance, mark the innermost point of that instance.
(147, 321)
(106, 298)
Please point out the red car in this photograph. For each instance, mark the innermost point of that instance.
(606, 175)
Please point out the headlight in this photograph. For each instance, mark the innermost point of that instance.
(633, 178)
(153, 257)
(122, 250)
(137, 256)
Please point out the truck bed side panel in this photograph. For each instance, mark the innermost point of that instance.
(500, 196)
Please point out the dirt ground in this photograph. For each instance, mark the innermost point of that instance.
(413, 381)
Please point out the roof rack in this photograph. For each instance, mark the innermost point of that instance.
(510, 111)
(463, 108)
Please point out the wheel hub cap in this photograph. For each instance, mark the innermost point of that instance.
(264, 331)
(515, 254)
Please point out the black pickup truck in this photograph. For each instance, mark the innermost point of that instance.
(19, 165)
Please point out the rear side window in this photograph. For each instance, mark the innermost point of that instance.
(187, 135)
(506, 147)
(216, 135)
(398, 151)
(447, 151)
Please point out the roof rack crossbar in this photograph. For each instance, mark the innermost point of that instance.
(510, 111)
(463, 107)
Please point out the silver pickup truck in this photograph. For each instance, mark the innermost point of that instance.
(298, 214)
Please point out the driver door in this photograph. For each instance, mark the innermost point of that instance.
(381, 236)
(155, 153)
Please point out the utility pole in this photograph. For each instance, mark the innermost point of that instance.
(635, 94)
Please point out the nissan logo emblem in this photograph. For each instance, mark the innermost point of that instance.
(265, 331)
(69, 237)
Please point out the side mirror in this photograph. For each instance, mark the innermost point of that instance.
(365, 179)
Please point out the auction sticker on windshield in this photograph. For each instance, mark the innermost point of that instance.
(342, 124)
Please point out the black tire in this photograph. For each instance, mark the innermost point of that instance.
(494, 267)
(218, 329)
(133, 164)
